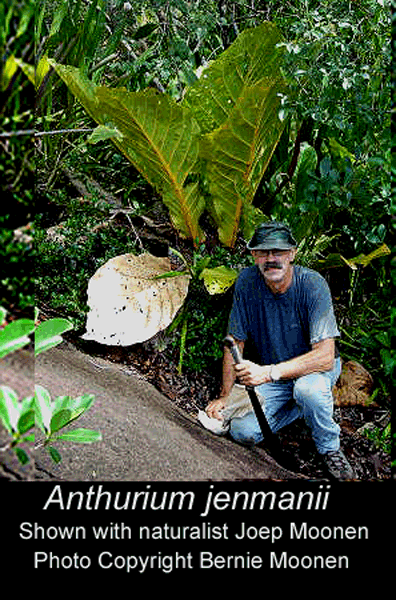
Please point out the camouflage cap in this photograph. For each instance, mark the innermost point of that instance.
(272, 236)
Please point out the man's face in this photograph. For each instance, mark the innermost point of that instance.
(275, 265)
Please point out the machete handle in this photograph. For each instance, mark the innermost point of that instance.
(271, 438)
(231, 345)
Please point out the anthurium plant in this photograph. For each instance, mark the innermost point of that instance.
(209, 151)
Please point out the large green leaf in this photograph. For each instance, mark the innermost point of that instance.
(255, 54)
(75, 405)
(157, 135)
(237, 102)
(306, 165)
(238, 152)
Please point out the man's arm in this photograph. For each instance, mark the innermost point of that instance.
(319, 359)
(228, 381)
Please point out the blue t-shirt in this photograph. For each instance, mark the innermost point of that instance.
(282, 326)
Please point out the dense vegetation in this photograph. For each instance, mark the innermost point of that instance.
(329, 177)
(17, 157)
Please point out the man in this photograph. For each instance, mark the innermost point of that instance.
(285, 312)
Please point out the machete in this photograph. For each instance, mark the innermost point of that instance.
(270, 438)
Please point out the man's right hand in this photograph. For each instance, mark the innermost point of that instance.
(214, 407)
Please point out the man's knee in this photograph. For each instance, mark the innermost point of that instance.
(312, 389)
(246, 430)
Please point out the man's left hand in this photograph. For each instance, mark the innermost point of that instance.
(251, 374)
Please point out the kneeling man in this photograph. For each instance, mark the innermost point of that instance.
(285, 312)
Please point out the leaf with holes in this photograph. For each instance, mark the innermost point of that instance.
(129, 300)
(219, 279)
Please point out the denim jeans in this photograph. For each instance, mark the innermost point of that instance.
(309, 397)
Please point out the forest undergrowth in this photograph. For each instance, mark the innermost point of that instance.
(76, 195)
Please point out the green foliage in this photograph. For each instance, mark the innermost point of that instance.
(197, 332)
(84, 241)
(20, 417)
(329, 176)
(198, 343)
(254, 57)
(380, 437)
(15, 336)
(16, 163)
(77, 25)
(48, 334)
(157, 135)
(16, 255)
(52, 416)
(338, 56)
(162, 138)
(341, 108)
(219, 279)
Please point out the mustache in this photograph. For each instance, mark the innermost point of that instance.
(272, 265)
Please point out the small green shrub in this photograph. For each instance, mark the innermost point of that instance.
(20, 417)
(84, 241)
(16, 258)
